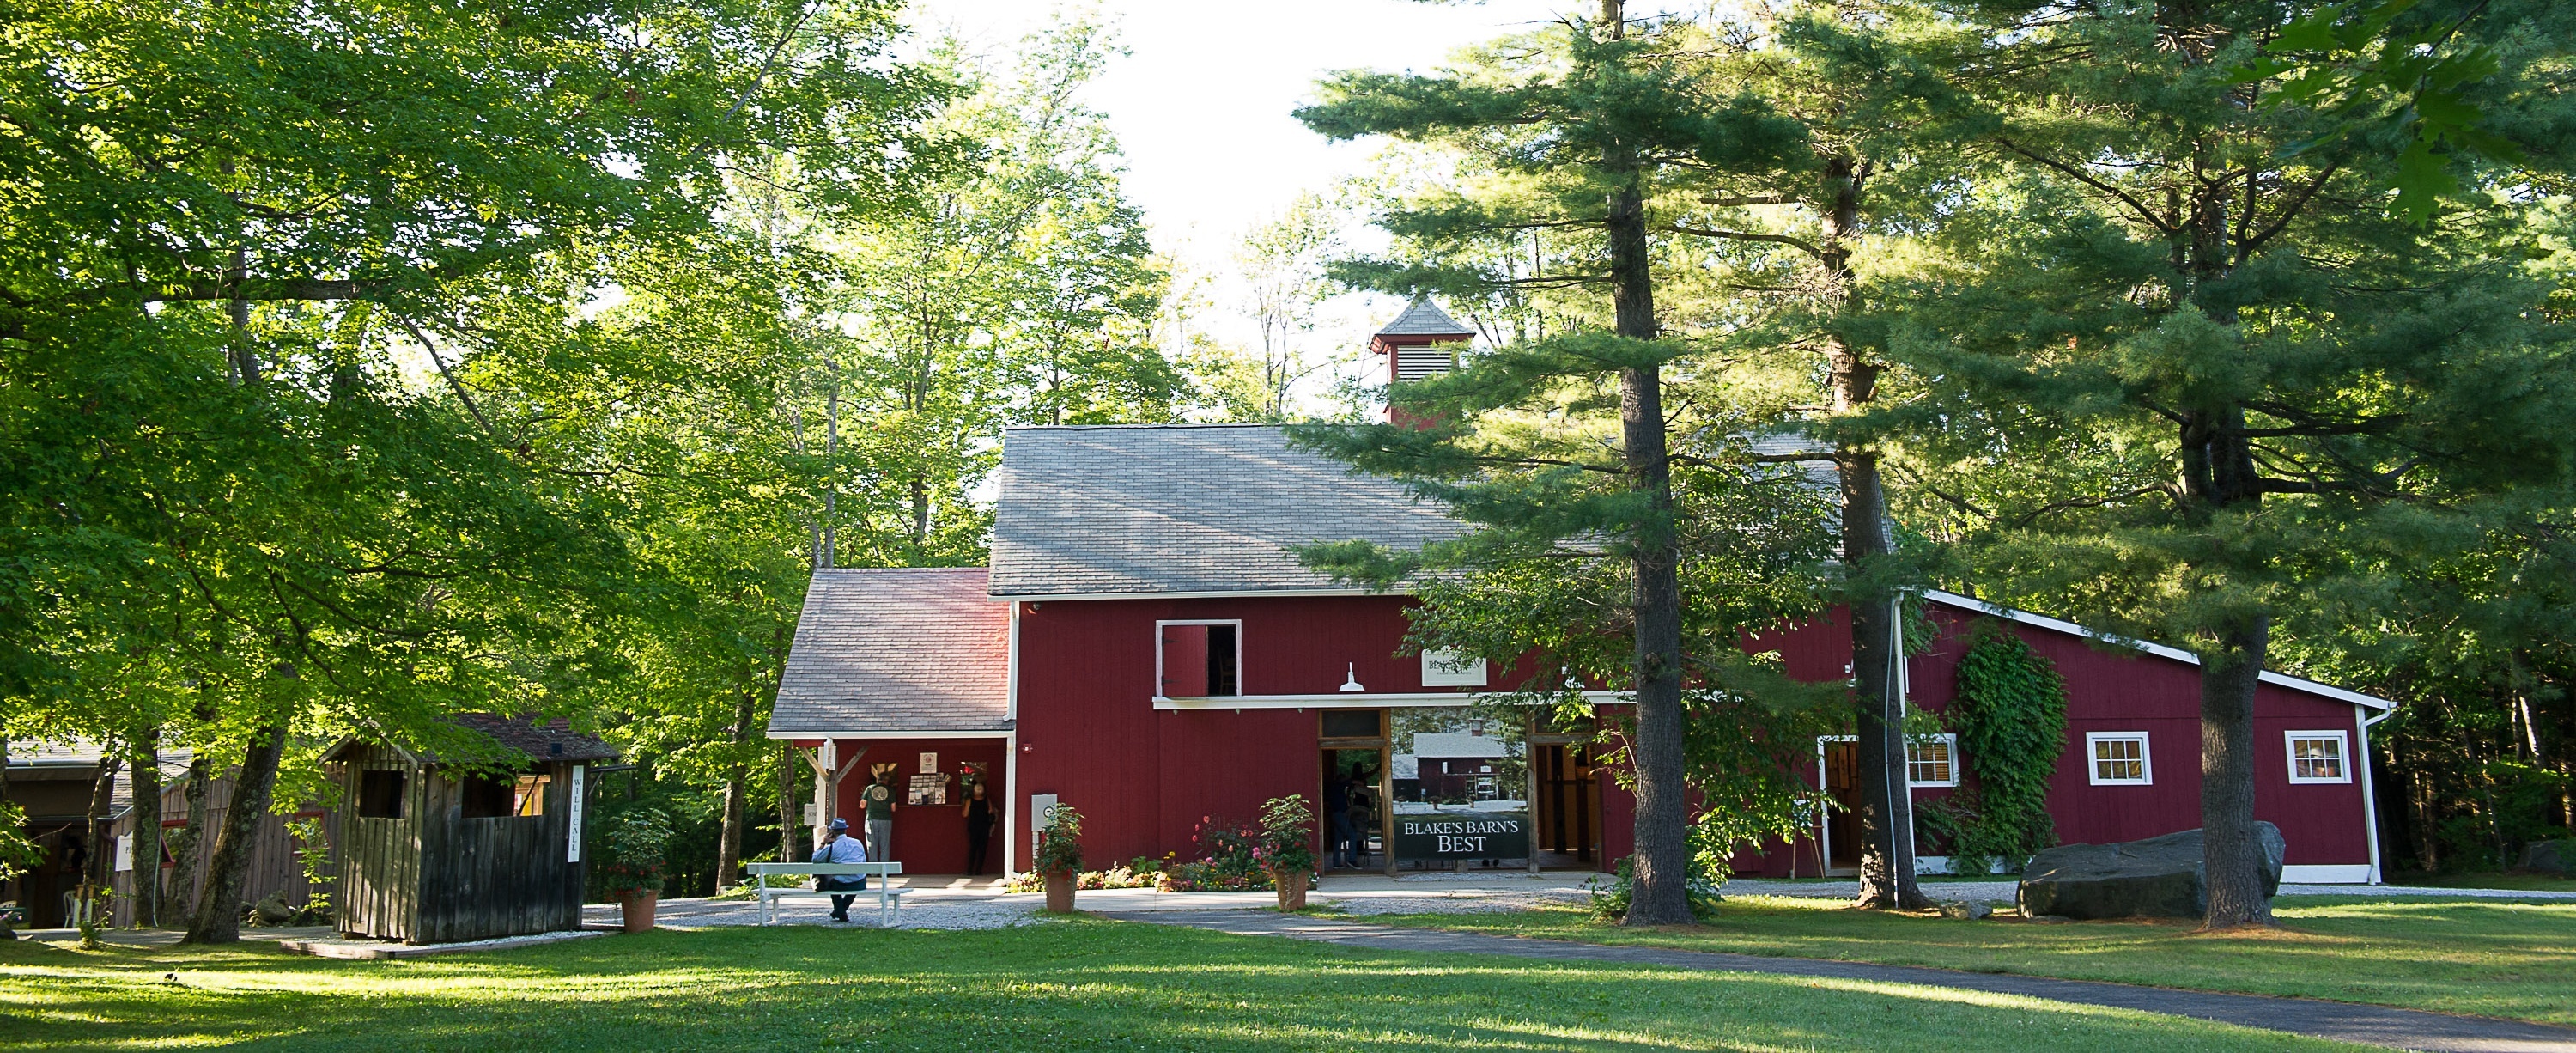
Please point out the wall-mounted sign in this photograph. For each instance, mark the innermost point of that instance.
(1462, 835)
(572, 849)
(929, 763)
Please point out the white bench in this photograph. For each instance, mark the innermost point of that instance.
(889, 900)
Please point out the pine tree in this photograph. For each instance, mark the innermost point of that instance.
(2190, 360)
(1580, 129)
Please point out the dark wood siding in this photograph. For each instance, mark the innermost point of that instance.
(434, 876)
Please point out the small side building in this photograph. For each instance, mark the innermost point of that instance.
(435, 853)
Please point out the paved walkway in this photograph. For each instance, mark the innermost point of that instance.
(2342, 1021)
(2001, 891)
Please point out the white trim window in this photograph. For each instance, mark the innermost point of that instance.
(1198, 658)
(1932, 760)
(1442, 667)
(2318, 756)
(2118, 758)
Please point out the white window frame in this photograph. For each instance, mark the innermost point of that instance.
(1238, 651)
(1442, 667)
(2093, 761)
(1945, 738)
(2343, 755)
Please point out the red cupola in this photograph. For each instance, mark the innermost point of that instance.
(1420, 342)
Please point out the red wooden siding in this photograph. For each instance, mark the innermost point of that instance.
(1143, 778)
(2115, 689)
(928, 839)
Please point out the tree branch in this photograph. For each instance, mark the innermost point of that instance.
(1800, 244)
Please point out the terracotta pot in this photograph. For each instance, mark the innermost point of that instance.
(638, 909)
(1291, 885)
(1059, 892)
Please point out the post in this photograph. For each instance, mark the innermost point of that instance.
(1529, 796)
(827, 782)
(1385, 800)
(824, 761)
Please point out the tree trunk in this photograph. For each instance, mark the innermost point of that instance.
(218, 918)
(729, 843)
(789, 850)
(2228, 676)
(101, 837)
(179, 898)
(1662, 861)
(146, 766)
(1885, 822)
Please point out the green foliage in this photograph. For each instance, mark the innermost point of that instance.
(18, 852)
(2010, 716)
(2372, 65)
(1609, 900)
(1059, 842)
(628, 851)
(1287, 835)
(314, 857)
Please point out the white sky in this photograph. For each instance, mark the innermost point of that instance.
(1201, 105)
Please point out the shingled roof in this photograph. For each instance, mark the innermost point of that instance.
(1199, 508)
(1424, 318)
(901, 649)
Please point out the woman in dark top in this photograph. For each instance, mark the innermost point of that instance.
(979, 828)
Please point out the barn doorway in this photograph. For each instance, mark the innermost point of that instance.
(1567, 811)
(1353, 773)
(1838, 769)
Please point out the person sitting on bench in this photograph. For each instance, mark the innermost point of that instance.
(839, 847)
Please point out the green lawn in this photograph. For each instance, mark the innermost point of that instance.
(1070, 985)
(2525, 881)
(2486, 957)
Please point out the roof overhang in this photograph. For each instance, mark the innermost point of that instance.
(1351, 700)
(2294, 683)
(1233, 594)
(882, 733)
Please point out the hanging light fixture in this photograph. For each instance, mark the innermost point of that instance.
(1351, 678)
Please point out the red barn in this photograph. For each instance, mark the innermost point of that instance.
(1144, 648)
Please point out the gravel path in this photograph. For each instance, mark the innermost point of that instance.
(2341, 1021)
(960, 913)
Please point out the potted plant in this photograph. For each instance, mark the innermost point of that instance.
(1059, 856)
(631, 844)
(1287, 848)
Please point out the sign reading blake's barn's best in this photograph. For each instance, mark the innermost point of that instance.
(1464, 835)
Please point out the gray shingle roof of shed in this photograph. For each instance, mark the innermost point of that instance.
(1424, 318)
(1182, 509)
(902, 649)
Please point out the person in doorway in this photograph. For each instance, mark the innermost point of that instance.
(880, 801)
(979, 827)
(1337, 810)
(839, 847)
(1356, 809)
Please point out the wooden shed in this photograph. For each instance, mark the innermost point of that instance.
(435, 853)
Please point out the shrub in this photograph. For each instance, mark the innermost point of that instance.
(1610, 901)
(1059, 842)
(630, 855)
(1287, 838)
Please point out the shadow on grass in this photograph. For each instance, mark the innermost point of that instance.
(2484, 957)
(1078, 985)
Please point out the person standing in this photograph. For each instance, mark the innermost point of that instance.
(880, 801)
(1337, 808)
(839, 847)
(979, 828)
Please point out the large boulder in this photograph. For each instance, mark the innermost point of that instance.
(2160, 877)
(2550, 857)
(273, 909)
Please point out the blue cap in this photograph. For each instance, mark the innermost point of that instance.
(840, 824)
